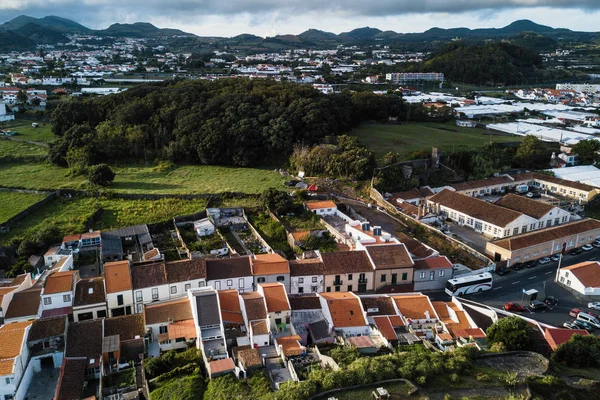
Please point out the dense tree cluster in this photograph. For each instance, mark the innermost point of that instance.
(579, 351)
(238, 122)
(499, 63)
(513, 332)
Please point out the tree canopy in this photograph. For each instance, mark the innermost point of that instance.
(579, 351)
(513, 332)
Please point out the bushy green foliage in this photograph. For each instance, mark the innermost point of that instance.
(586, 151)
(513, 332)
(101, 175)
(579, 351)
(344, 355)
(171, 359)
(267, 226)
(228, 387)
(187, 388)
(532, 153)
(39, 240)
(277, 201)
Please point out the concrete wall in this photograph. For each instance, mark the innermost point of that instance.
(388, 276)
(307, 284)
(330, 279)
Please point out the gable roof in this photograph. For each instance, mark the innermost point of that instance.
(270, 264)
(84, 339)
(185, 270)
(318, 205)
(552, 179)
(89, 291)
(557, 336)
(59, 282)
(310, 266)
(379, 305)
(481, 183)
(305, 302)
(475, 333)
(439, 262)
(227, 268)
(11, 342)
(523, 204)
(275, 297)
(71, 380)
(148, 275)
(547, 235)
(254, 304)
(385, 327)
(24, 304)
(588, 273)
(478, 209)
(415, 306)
(345, 309)
(259, 327)
(389, 256)
(207, 308)
(414, 193)
(117, 276)
(177, 310)
(231, 310)
(47, 327)
(344, 262)
(126, 326)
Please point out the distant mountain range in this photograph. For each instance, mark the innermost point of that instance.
(26, 32)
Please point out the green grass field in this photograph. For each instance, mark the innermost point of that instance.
(15, 202)
(146, 179)
(404, 139)
(14, 149)
(25, 131)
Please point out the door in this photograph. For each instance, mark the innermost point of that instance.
(394, 279)
(362, 287)
(84, 316)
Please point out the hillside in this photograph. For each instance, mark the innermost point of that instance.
(41, 34)
(140, 29)
(57, 23)
(12, 41)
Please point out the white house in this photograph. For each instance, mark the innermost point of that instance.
(254, 312)
(209, 328)
(583, 278)
(230, 273)
(4, 114)
(419, 313)
(279, 310)
(204, 227)
(344, 312)
(307, 276)
(270, 268)
(546, 214)
(13, 357)
(58, 291)
(89, 301)
(171, 323)
(118, 288)
(326, 207)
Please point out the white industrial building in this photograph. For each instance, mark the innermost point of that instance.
(587, 174)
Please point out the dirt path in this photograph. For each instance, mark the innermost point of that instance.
(41, 144)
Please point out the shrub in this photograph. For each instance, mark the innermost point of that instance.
(421, 380)
(454, 378)
(483, 377)
(187, 388)
(514, 332)
(101, 175)
(579, 351)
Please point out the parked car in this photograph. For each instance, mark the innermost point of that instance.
(536, 305)
(503, 271)
(531, 264)
(544, 260)
(574, 312)
(551, 301)
(570, 325)
(587, 247)
(575, 251)
(590, 319)
(594, 305)
(533, 195)
(583, 325)
(555, 257)
(517, 266)
(515, 307)
(596, 244)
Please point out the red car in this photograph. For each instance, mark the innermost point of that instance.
(574, 312)
(516, 307)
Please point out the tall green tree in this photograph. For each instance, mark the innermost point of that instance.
(587, 151)
(513, 332)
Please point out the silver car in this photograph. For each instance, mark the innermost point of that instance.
(594, 305)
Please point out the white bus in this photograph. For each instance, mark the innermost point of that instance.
(469, 284)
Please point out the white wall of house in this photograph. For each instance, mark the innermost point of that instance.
(554, 217)
(283, 316)
(113, 303)
(51, 259)
(9, 383)
(242, 284)
(95, 309)
(306, 284)
(169, 345)
(325, 211)
(57, 300)
(175, 290)
(261, 340)
(273, 279)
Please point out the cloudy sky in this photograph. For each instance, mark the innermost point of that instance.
(271, 17)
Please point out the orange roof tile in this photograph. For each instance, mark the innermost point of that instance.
(441, 309)
(415, 306)
(345, 309)
(90, 235)
(177, 310)
(396, 321)
(445, 336)
(588, 273)
(182, 329)
(71, 238)
(231, 311)
(317, 205)
(275, 297)
(557, 336)
(220, 366)
(290, 345)
(475, 333)
(270, 264)
(117, 276)
(259, 327)
(11, 341)
(385, 327)
(59, 282)
(299, 235)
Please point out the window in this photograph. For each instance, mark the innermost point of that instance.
(422, 275)
(544, 251)
(162, 329)
(66, 298)
(179, 340)
(567, 274)
(535, 253)
(300, 289)
(260, 280)
(349, 277)
(138, 308)
(556, 221)
(442, 273)
(280, 278)
(138, 296)
(314, 289)
(517, 258)
(515, 231)
(101, 313)
(187, 286)
(229, 282)
(8, 381)
(154, 293)
(314, 279)
(120, 299)
(301, 280)
(431, 275)
(173, 289)
(328, 289)
(349, 288)
(404, 276)
(47, 301)
(568, 283)
(241, 283)
(383, 278)
(562, 279)
(201, 284)
(531, 227)
(337, 288)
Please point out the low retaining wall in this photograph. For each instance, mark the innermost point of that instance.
(49, 198)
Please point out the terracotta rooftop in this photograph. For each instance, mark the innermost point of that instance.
(250, 358)
(305, 302)
(126, 326)
(346, 262)
(439, 262)
(228, 268)
(311, 266)
(530, 176)
(47, 327)
(89, 291)
(361, 342)
(182, 329)
(24, 304)
(259, 327)
(557, 336)
(475, 333)
(148, 275)
(11, 341)
(270, 264)
(345, 309)
(275, 297)
(254, 304)
(415, 306)
(290, 345)
(176, 310)
(59, 282)
(84, 339)
(19, 280)
(588, 273)
(390, 256)
(220, 366)
(473, 207)
(523, 204)
(231, 311)
(481, 183)
(90, 235)
(186, 270)
(415, 247)
(378, 305)
(547, 235)
(415, 193)
(385, 327)
(117, 276)
(72, 378)
(151, 254)
(445, 337)
(317, 205)
(71, 238)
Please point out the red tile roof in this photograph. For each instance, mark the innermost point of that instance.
(220, 366)
(59, 282)
(270, 264)
(557, 336)
(384, 325)
(439, 262)
(275, 297)
(475, 333)
(588, 273)
(345, 309)
(177, 310)
(415, 306)
(231, 311)
(117, 276)
(317, 205)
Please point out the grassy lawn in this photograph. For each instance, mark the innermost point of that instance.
(403, 139)
(303, 221)
(14, 202)
(70, 215)
(147, 179)
(396, 391)
(25, 131)
(14, 149)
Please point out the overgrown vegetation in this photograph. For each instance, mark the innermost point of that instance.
(512, 332)
(579, 351)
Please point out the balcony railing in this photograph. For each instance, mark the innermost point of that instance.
(338, 282)
(362, 280)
